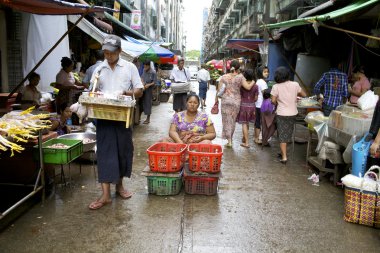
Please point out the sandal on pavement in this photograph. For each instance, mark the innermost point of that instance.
(146, 122)
(97, 204)
(244, 145)
(124, 194)
(228, 145)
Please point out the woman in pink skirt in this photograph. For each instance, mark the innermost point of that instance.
(247, 106)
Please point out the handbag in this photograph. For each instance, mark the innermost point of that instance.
(215, 108)
(362, 204)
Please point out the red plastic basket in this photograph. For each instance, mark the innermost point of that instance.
(201, 185)
(205, 157)
(166, 157)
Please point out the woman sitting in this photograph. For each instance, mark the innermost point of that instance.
(30, 96)
(191, 126)
(59, 124)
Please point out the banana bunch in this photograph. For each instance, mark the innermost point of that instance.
(19, 127)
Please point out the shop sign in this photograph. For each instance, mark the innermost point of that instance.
(136, 19)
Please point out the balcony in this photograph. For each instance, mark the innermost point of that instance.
(223, 3)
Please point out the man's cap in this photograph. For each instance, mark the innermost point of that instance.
(111, 43)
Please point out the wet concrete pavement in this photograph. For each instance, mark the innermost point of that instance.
(261, 206)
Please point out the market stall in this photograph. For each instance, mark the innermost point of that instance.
(336, 136)
(19, 131)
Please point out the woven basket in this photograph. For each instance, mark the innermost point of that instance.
(110, 112)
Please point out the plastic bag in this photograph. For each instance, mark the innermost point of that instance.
(315, 118)
(368, 100)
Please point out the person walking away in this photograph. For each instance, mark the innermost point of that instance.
(262, 74)
(180, 74)
(203, 77)
(66, 83)
(335, 89)
(284, 94)
(231, 100)
(247, 107)
(149, 79)
(361, 85)
(268, 116)
(114, 140)
(99, 56)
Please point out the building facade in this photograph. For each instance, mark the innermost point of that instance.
(242, 19)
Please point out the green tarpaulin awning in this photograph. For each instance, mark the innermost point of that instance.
(360, 4)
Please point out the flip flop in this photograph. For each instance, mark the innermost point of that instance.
(146, 122)
(124, 194)
(98, 204)
(244, 145)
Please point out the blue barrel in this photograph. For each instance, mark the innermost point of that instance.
(359, 157)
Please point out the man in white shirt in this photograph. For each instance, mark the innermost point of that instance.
(114, 140)
(203, 78)
(180, 74)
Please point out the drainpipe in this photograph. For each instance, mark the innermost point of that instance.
(266, 18)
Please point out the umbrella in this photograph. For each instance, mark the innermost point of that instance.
(157, 54)
(220, 64)
(151, 51)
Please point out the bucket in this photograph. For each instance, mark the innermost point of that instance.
(359, 157)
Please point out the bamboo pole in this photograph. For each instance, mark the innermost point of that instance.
(348, 31)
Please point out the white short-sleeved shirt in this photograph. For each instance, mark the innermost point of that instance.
(262, 85)
(123, 77)
(180, 75)
(203, 75)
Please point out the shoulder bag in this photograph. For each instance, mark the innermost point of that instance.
(180, 87)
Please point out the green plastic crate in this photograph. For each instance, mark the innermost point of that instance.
(60, 155)
(164, 185)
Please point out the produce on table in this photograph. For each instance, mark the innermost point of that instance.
(88, 140)
(59, 145)
(19, 127)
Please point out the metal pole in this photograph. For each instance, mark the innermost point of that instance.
(266, 34)
(42, 170)
(48, 53)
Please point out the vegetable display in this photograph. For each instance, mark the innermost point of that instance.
(19, 126)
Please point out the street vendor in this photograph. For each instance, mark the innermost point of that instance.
(59, 124)
(114, 76)
(361, 85)
(191, 125)
(335, 89)
(180, 74)
(30, 95)
(66, 83)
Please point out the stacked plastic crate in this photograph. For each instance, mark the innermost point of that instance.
(164, 173)
(202, 173)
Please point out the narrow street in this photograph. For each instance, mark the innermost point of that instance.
(261, 206)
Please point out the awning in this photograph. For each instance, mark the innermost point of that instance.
(98, 35)
(130, 30)
(244, 44)
(52, 7)
(360, 4)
